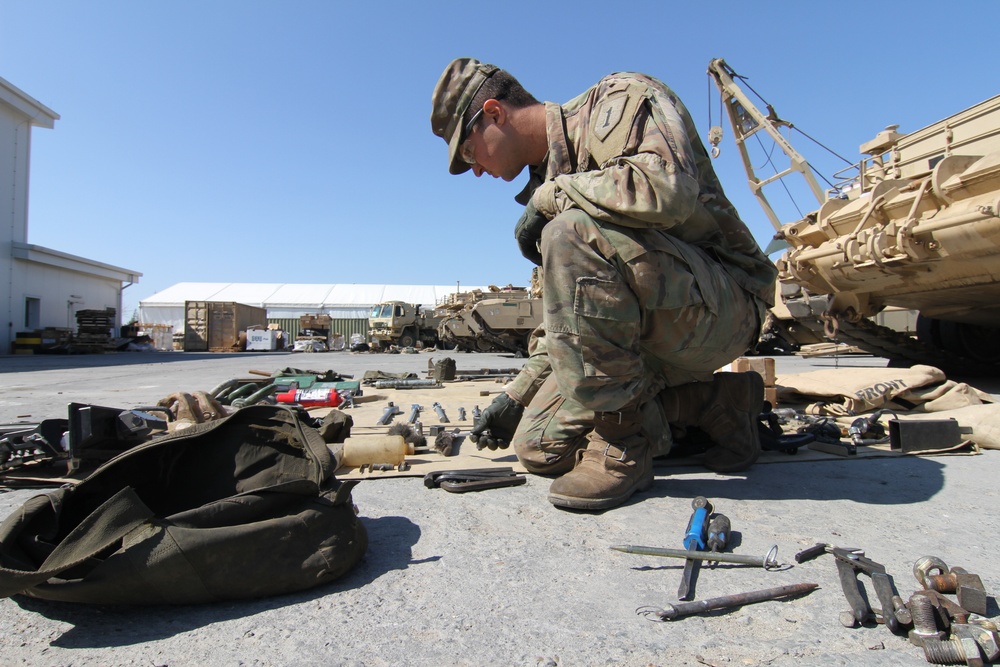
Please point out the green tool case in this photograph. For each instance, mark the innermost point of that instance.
(242, 507)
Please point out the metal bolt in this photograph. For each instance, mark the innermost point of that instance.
(900, 611)
(973, 656)
(924, 622)
(986, 639)
(976, 619)
(951, 652)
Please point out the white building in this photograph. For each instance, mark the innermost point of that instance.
(41, 287)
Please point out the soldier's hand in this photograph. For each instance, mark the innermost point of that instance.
(497, 423)
(528, 232)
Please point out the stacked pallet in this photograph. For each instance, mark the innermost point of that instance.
(93, 330)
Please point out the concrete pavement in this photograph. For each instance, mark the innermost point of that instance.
(501, 577)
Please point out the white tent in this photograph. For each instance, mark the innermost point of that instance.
(288, 300)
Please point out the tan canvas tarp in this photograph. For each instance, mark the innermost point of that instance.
(851, 391)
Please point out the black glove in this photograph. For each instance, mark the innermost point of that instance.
(528, 232)
(497, 423)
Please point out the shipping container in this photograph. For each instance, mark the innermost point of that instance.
(215, 326)
(338, 326)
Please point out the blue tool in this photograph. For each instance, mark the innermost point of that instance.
(698, 525)
(694, 540)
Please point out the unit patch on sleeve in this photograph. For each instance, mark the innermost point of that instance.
(611, 123)
(608, 114)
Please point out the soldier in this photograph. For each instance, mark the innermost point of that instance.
(651, 281)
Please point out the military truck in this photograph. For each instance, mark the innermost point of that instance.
(402, 324)
(914, 224)
(498, 320)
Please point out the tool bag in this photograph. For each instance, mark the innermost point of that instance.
(241, 507)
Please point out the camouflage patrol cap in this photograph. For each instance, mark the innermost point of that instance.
(455, 90)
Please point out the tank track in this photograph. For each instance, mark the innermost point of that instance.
(895, 346)
(504, 343)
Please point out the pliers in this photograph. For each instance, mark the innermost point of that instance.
(460, 481)
(850, 563)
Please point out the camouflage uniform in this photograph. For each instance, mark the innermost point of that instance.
(651, 280)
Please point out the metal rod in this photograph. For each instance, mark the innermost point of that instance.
(768, 562)
(680, 609)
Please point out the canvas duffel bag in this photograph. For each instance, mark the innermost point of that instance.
(242, 507)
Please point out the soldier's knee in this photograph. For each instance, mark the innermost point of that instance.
(547, 458)
(567, 227)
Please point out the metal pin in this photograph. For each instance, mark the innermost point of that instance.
(768, 562)
(673, 611)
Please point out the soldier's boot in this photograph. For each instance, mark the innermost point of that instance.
(616, 463)
(727, 410)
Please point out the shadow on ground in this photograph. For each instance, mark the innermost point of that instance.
(95, 626)
(897, 480)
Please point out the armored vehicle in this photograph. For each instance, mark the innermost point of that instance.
(500, 320)
(914, 224)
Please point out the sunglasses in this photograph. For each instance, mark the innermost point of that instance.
(466, 151)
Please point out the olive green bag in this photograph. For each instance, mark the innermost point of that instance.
(242, 507)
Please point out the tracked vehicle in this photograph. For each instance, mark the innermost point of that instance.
(499, 320)
(914, 224)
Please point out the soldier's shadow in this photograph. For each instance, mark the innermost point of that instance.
(894, 480)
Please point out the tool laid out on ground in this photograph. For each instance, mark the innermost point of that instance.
(867, 430)
(674, 611)
(442, 416)
(391, 410)
(967, 587)
(460, 375)
(949, 633)
(694, 540)
(410, 383)
(414, 413)
(460, 481)
(852, 562)
(921, 435)
(772, 436)
(90, 433)
(769, 561)
(863, 431)
(444, 441)
(718, 534)
(242, 392)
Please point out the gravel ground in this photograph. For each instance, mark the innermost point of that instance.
(504, 578)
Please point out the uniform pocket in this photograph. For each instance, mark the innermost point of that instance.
(608, 322)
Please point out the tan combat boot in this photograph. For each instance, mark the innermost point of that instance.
(616, 463)
(726, 409)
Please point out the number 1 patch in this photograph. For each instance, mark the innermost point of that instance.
(608, 115)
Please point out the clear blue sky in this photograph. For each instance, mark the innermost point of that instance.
(267, 141)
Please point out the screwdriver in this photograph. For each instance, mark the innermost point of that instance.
(718, 534)
(694, 539)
